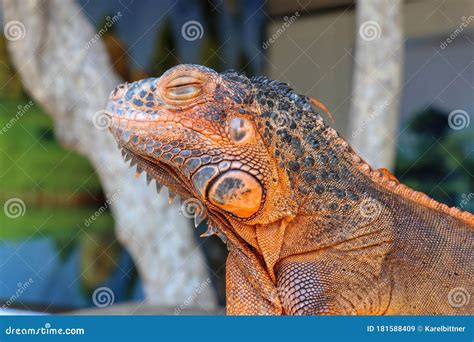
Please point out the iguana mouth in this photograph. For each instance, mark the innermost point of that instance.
(176, 170)
(125, 126)
(165, 176)
(213, 182)
(188, 155)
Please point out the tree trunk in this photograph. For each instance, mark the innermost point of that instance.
(377, 81)
(70, 75)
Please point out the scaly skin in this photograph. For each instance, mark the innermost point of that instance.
(310, 227)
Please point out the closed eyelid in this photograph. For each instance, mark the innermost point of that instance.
(182, 88)
(183, 81)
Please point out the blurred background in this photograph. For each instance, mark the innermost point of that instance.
(79, 231)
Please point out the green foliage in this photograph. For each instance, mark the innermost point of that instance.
(59, 188)
(63, 224)
(436, 159)
(10, 83)
(32, 159)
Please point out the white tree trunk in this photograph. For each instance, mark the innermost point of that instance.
(71, 77)
(377, 81)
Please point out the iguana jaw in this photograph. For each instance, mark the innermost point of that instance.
(165, 176)
(197, 172)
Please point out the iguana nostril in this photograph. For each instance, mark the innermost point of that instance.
(119, 91)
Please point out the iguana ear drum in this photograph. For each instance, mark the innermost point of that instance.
(236, 192)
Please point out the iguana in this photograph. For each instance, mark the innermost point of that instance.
(311, 229)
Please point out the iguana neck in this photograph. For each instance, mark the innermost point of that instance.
(328, 179)
(325, 174)
(319, 163)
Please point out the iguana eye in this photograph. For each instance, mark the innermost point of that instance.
(241, 130)
(183, 88)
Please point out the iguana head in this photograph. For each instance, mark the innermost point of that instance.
(221, 138)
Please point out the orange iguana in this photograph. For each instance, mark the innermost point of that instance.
(311, 228)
